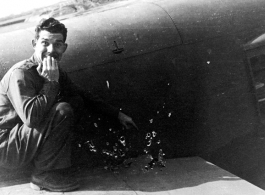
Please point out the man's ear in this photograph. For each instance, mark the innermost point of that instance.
(33, 42)
(65, 47)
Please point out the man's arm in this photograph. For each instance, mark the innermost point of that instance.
(95, 103)
(92, 102)
(28, 103)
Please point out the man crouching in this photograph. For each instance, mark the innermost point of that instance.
(36, 115)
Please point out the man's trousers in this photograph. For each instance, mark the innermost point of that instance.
(48, 146)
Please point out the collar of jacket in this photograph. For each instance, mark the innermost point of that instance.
(31, 62)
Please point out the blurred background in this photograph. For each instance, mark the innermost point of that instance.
(25, 11)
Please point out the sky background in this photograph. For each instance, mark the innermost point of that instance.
(8, 7)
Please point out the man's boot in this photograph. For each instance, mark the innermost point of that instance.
(55, 180)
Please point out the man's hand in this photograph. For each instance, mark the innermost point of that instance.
(126, 121)
(49, 69)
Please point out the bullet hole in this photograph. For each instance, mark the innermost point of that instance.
(157, 161)
(151, 164)
(161, 160)
(91, 146)
(122, 140)
(107, 84)
(115, 148)
(114, 153)
(149, 143)
(148, 135)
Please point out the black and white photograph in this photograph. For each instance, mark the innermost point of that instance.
(132, 97)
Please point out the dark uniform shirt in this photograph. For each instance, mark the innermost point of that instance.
(25, 96)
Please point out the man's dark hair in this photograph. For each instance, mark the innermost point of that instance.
(51, 25)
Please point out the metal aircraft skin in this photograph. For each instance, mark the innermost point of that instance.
(191, 71)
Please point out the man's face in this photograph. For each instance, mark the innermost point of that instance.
(49, 44)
